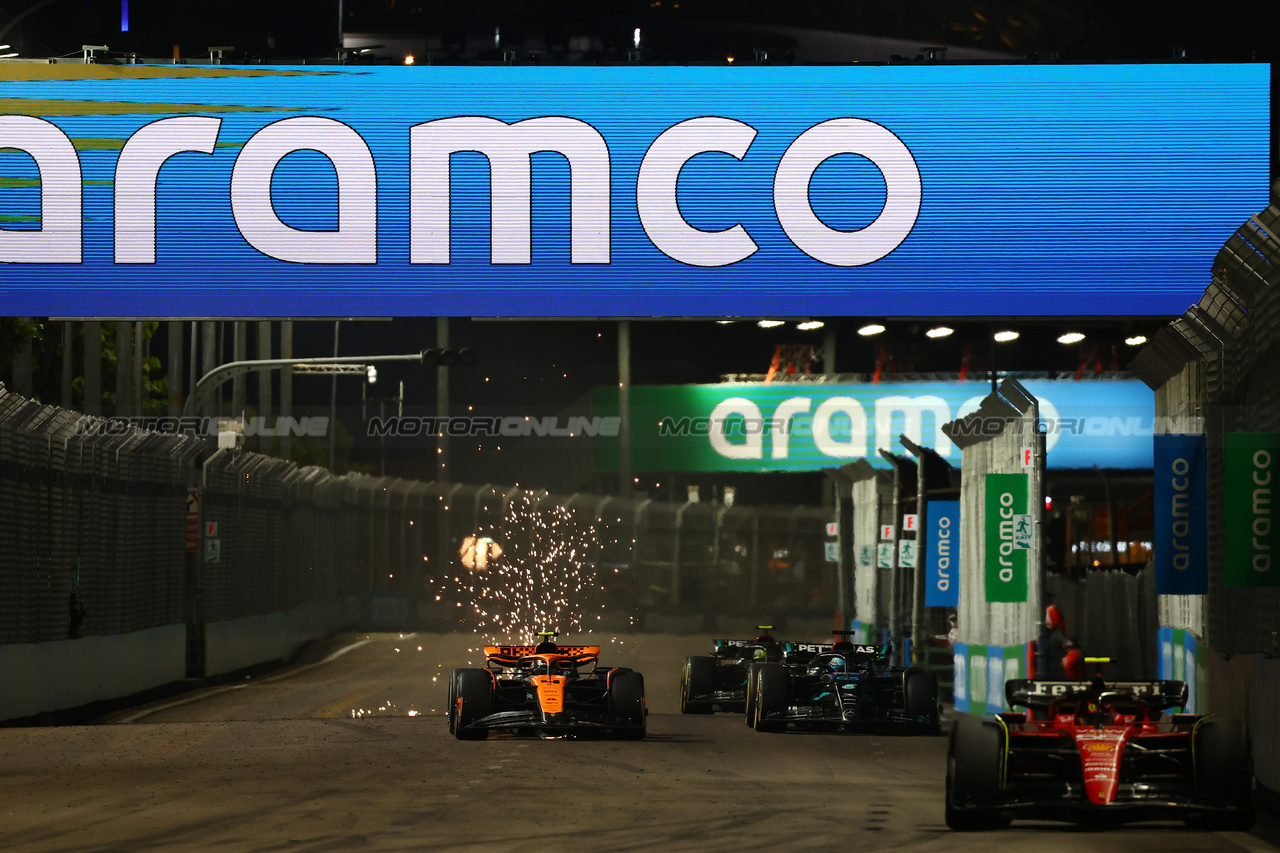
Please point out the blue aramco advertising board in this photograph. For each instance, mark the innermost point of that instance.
(629, 191)
(942, 555)
(1181, 504)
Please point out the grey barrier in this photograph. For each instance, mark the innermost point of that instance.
(988, 452)
(1214, 372)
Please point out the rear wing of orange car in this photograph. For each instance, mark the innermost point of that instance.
(510, 655)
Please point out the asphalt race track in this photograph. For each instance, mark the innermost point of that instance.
(352, 753)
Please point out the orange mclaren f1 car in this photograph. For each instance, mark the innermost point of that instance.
(546, 690)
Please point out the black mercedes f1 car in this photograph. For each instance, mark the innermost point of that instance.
(841, 687)
(718, 681)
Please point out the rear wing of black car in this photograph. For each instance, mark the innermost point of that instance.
(1039, 695)
(725, 647)
(858, 651)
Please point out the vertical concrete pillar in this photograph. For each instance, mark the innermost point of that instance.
(264, 385)
(124, 368)
(68, 353)
(239, 348)
(174, 368)
(93, 367)
(286, 386)
(140, 355)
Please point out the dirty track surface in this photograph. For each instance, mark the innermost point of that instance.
(326, 756)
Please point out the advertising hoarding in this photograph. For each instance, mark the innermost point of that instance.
(1006, 564)
(623, 191)
(942, 555)
(796, 426)
(1181, 515)
(1248, 503)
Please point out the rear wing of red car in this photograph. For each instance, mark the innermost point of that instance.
(1039, 695)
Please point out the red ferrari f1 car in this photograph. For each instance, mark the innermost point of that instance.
(546, 689)
(1098, 753)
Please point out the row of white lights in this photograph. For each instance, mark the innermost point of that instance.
(1003, 336)
(940, 332)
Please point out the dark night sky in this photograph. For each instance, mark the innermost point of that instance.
(1078, 29)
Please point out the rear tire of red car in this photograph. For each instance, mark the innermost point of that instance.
(975, 758)
(1224, 769)
(699, 676)
(626, 700)
(773, 695)
(473, 698)
(920, 699)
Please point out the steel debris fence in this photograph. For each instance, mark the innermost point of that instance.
(94, 537)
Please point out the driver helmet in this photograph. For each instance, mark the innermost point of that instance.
(759, 654)
(835, 664)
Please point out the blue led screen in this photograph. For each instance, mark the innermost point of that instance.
(631, 191)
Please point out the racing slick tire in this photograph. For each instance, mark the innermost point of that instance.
(920, 699)
(750, 700)
(626, 700)
(975, 756)
(453, 702)
(698, 676)
(1224, 769)
(471, 695)
(772, 696)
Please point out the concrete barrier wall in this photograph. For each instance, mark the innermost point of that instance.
(982, 622)
(36, 678)
(867, 497)
(1243, 687)
(239, 643)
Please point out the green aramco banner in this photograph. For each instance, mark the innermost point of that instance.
(1008, 536)
(1250, 471)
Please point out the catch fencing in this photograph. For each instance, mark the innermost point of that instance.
(92, 527)
(94, 539)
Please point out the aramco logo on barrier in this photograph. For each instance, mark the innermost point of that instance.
(1006, 564)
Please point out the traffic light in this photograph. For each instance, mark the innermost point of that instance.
(449, 356)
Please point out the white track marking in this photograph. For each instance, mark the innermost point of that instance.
(206, 694)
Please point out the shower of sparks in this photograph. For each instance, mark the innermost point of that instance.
(543, 578)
